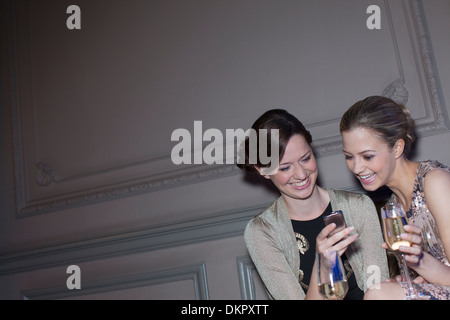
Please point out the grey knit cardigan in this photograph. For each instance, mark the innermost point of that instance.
(272, 245)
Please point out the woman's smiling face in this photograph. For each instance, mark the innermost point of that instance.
(297, 172)
(370, 159)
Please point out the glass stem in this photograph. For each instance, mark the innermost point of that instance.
(408, 278)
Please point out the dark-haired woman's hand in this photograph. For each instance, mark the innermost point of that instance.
(338, 242)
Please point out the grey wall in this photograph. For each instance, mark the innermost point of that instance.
(87, 117)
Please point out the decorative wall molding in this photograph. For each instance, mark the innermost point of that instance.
(397, 91)
(441, 122)
(196, 273)
(177, 178)
(246, 282)
(438, 121)
(46, 175)
(214, 226)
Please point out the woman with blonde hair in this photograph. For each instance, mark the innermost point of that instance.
(377, 136)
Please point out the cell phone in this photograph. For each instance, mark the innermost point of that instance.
(336, 217)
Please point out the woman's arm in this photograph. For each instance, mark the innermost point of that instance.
(437, 194)
(369, 244)
(271, 262)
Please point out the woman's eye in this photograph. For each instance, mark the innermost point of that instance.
(284, 168)
(306, 159)
(347, 157)
(368, 157)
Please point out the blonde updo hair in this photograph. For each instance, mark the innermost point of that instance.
(387, 119)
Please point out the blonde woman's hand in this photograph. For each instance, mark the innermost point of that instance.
(413, 253)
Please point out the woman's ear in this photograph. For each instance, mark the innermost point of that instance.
(399, 147)
(260, 171)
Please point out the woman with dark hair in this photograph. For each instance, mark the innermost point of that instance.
(284, 238)
(377, 135)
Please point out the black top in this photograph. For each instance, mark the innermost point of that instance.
(306, 233)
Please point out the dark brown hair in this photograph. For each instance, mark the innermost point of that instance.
(287, 126)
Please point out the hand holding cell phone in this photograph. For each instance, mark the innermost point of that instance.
(336, 217)
(324, 240)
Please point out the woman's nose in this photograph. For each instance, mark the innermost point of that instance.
(299, 172)
(358, 166)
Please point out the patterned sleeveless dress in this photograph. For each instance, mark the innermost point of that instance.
(420, 216)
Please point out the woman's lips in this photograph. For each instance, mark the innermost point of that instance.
(301, 184)
(366, 179)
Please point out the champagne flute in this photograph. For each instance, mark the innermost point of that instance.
(393, 220)
(331, 277)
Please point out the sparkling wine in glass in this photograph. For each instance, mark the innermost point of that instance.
(393, 219)
(392, 229)
(331, 276)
